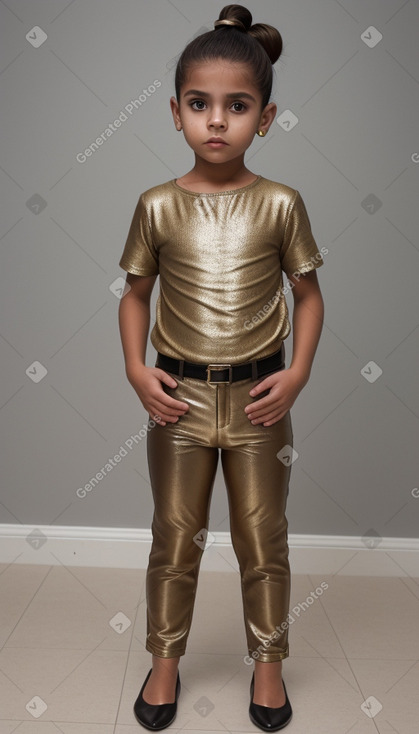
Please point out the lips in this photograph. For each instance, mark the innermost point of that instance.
(217, 140)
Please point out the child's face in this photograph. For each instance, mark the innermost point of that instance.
(220, 100)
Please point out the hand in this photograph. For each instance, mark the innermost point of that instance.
(284, 387)
(147, 383)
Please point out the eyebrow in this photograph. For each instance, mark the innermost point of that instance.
(232, 95)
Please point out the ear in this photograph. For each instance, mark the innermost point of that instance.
(267, 117)
(174, 106)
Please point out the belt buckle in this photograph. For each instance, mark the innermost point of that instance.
(219, 368)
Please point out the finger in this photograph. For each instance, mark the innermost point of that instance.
(276, 419)
(165, 411)
(161, 418)
(268, 410)
(172, 405)
(267, 418)
(167, 408)
(158, 419)
(165, 377)
(264, 385)
(259, 406)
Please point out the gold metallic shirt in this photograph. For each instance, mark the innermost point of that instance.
(220, 258)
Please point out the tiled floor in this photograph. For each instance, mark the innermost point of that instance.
(72, 654)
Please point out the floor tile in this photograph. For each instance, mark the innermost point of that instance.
(18, 585)
(77, 686)
(353, 665)
(373, 617)
(80, 608)
(394, 684)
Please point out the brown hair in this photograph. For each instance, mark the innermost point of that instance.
(258, 45)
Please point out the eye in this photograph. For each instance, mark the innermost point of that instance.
(198, 102)
(240, 105)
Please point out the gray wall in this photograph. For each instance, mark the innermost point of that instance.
(354, 156)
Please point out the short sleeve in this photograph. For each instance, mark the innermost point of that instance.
(299, 252)
(140, 256)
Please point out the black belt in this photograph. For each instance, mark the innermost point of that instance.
(223, 373)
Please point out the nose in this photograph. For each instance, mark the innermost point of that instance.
(216, 118)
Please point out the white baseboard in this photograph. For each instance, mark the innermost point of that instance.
(130, 547)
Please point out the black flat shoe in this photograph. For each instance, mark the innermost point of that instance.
(266, 718)
(155, 716)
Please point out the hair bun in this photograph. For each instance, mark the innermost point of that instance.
(269, 37)
(240, 17)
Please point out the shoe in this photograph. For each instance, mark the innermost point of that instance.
(155, 716)
(266, 718)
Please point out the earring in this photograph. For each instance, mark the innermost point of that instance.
(262, 133)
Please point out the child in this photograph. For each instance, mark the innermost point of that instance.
(219, 237)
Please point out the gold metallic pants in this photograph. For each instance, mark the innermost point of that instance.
(183, 458)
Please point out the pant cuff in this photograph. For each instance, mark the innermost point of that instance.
(270, 657)
(164, 652)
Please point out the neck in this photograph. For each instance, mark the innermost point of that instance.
(219, 174)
